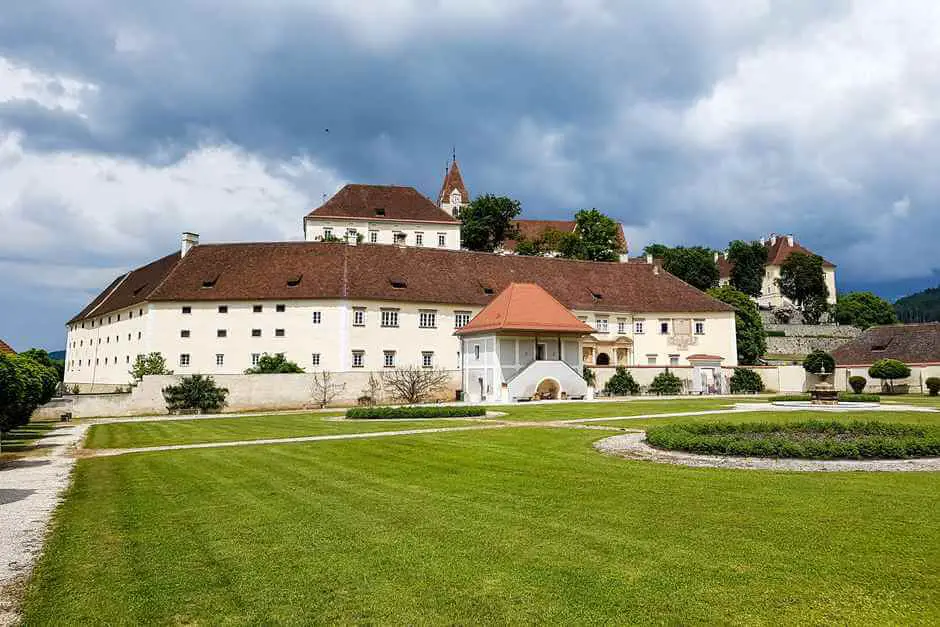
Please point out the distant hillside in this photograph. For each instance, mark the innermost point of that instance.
(920, 307)
(57, 354)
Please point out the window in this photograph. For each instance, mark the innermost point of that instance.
(673, 360)
(280, 308)
(427, 319)
(389, 317)
(327, 233)
(455, 198)
(254, 358)
(127, 359)
(316, 318)
(140, 312)
(358, 359)
(187, 309)
(621, 326)
(278, 332)
(219, 359)
(651, 360)
(257, 308)
(380, 211)
(664, 327)
(105, 361)
(461, 319)
(184, 333)
(442, 239)
(399, 238)
(352, 235)
(699, 327)
(107, 338)
(476, 351)
(638, 326)
(184, 359)
(389, 361)
(419, 239)
(139, 335)
(221, 332)
(601, 325)
(359, 316)
(373, 237)
(130, 314)
(427, 359)
(256, 333)
(315, 359)
(223, 309)
(109, 319)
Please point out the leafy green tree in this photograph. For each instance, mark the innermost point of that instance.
(599, 236)
(197, 392)
(666, 383)
(749, 328)
(817, 361)
(746, 381)
(622, 383)
(858, 383)
(12, 392)
(658, 251)
(150, 364)
(274, 364)
(920, 307)
(25, 384)
(863, 310)
(888, 370)
(488, 221)
(695, 265)
(41, 356)
(747, 272)
(528, 247)
(802, 281)
(588, 375)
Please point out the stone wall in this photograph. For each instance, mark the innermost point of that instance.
(803, 339)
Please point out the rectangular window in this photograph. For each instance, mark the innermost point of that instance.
(427, 319)
(359, 316)
(219, 359)
(351, 235)
(187, 309)
(621, 326)
(139, 335)
(221, 333)
(254, 358)
(127, 359)
(651, 360)
(389, 317)
(442, 240)
(256, 333)
(601, 325)
(673, 360)
(315, 359)
(316, 318)
(223, 309)
(461, 319)
(278, 332)
(280, 308)
(184, 333)
(664, 327)
(109, 319)
(389, 361)
(399, 238)
(358, 359)
(699, 327)
(327, 233)
(638, 326)
(257, 308)
(419, 239)
(476, 351)
(130, 314)
(374, 237)
(427, 359)
(184, 359)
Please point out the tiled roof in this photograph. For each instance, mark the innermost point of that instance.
(910, 343)
(5, 348)
(704, 357)
(533, 229)
(525, 307)
(381, 202)
(453, 181)
(298, 270)
(777, 253)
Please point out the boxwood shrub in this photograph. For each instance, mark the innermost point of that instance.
(844, 397)
(811, 439)
(429, 411)
(746, 381)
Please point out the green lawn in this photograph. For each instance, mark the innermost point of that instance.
(136, 434)
(576, 409)
(21, 441)
(913, 399)
(513, 525)
(790, 416)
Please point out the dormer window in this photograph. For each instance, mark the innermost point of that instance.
(398, 283)
(209, 281)
(294, 281)
(380, 211)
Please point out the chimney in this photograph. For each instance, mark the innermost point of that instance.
(187, 242)
(649, 258)
(789, 240)
(773, 239)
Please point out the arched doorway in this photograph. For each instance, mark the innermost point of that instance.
(547, 389)
(603, 359)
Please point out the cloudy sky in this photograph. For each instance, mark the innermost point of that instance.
(692, 121)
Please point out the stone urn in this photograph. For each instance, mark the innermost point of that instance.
(823, 393)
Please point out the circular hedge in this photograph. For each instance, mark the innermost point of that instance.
(812, 439)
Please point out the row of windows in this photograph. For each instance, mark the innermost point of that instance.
(651, 359)
(389, 358)
(107, 340)
(73, 363)
(398, 237)
(110, 319)
(601, 325)
(427, 318)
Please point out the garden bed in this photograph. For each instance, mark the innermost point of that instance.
(434, 411)
(844, 397)
(813, 439)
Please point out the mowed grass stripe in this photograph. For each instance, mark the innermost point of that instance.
(577, 409)
(517, 525)
(912, 417)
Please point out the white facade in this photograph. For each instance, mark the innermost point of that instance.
(402, 232)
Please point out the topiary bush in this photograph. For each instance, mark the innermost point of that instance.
(746, 381)
(933, 385)
(816, 361)
(666, 383)
(858, 383)
(433, 411)
(888, 370)
(622, 383)
(198, 392)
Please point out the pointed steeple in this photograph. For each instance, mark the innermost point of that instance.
(452, 188)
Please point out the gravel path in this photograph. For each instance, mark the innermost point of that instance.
(632, 446)
(30, 489)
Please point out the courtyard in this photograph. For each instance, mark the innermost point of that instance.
(512, 518)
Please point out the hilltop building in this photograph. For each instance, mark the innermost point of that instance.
(5, 348)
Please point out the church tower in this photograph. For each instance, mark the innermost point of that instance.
(454, 195)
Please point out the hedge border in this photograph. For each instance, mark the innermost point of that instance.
(432, 411)
(844, 397)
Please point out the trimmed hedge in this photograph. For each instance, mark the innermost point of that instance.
(812, 439)
(746, 381)
(430, 411)
(776, 334)
(844, 397)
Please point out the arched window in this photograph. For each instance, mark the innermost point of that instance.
(603, 359)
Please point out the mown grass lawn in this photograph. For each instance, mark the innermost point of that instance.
(159, 433)
(787, 416)
(577, 409)
(22, 441)
(512, 525)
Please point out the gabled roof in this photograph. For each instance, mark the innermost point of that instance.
(533, 229)
(381, 202)
(525, 307)
(452, 181)
(778, 249)
(5, 348)
(910, 343)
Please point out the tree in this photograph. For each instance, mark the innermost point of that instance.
(372, 392)
(488, 221)
(622, 383)
(747, 271)
(666, 383)
(803, 282)
(658, 251)
(817, 361)
(325, 388)
(598, 234)
(151, 364)
(749, 328)
(528, 247)
(858, 383)
(198, 392)
(695, 265)
(274, 364)
(863, 310)
(888, 370)
(588, 375)
(746, 381)
(920, 307)
(415, 385)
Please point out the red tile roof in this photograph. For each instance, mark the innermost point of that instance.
(910, 343)
(265, 271)
(777, 253)
(525, 307)
(381, 202)
(533, 229)
(704, 357)
(453, 181)
(5, 348)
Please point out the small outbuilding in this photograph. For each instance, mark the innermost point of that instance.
(914, 344)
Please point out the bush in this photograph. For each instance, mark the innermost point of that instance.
(274, 364)
(622, 384)
(933, 385)
(25, 384)
(586, 373)
(858, 383)
(888, 370)
(818, 360)
(434, 411)
(844, 397)
(666, 383)
(776, 334)
(746, 381)
(812, 439)
(198, 392)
